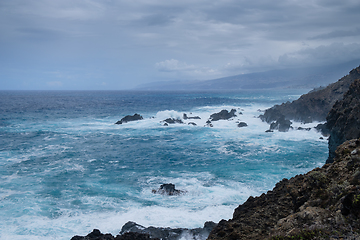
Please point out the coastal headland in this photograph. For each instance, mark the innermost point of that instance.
(321, 204)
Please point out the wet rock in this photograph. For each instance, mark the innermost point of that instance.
(281, 124)
(242, 124)
(186, 117)
(173, 120)
(94, 235)
(130, 118)
(169, 233)
(168, 189)
(303, 129)
(223, 115)
(323, 129)
(192, 123)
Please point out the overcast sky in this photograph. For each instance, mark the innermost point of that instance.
(110, 44)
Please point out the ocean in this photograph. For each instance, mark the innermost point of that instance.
(66, 168)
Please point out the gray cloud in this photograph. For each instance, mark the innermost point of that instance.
(140, 40)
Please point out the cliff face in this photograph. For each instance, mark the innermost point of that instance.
(313, 106)
(343, 119)
(324, 202)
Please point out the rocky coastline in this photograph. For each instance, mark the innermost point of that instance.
(321, 204)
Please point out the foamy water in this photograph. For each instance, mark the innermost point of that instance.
(66, 168)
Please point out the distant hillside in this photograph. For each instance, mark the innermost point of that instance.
(313, 106)
(276, 79)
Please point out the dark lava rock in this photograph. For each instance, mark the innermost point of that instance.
(323, 129)
(303, 129)
(186, 117)
(343, 119)
(168, 233)
(223, 115)
(130, 118)
(168, 189)
(313, 106)
(242, 124)
(269, 131)
(94, 235)
(281, 124)
(192, 123)
(323, 202)
(173, 120)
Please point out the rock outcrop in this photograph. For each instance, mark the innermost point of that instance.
(223, 115)
(322, 204)
(130, 118)
(134, 231)
(313, 106)
(168, 189)
(343, 119)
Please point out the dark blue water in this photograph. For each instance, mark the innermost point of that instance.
(66, 168)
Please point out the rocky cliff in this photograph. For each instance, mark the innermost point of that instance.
(322, 204)
(313, 106)
(343, 119)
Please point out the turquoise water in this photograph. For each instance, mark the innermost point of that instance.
(66, 168)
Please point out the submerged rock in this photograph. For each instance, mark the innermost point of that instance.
(185, 116)
(282, 124)
(173, 120)
(130, 118)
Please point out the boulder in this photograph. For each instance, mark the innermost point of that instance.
(223, 115)
(185, 116)
(130, 118)
(168, 189)
(242, 124)
(281, 124)
(173, 120)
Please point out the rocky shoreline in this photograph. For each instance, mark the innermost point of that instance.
(321, 204)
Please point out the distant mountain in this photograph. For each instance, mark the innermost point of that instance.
(311, 77)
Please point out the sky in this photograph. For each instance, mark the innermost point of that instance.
(118, 44)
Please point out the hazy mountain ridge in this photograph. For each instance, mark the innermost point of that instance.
(307, 78)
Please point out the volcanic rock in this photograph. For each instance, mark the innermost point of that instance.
(321, 203)
(130, 118)
(173, 120)
(242, 124)
(185, 116)
(343, 119)
(168, 189)
(223, 115)
(313, 106)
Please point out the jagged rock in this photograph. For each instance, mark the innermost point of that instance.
(343, 119)
(313, 106)
(242, 124)
(323, 202)
(173, 120)
(130, 118)
(281, 124)
(186, 117)
(223, 115)
(192, 123)
(323, 129)
(169, 233)
(168, 189)
(303, 129)
(94, 235)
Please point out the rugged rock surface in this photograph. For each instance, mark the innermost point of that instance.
(168, 189)
(173, 120)
(134, 231)
(343, 119)
(185, 116)
(313, 106)
(281, 124)
(322, 204)
(169, 233)
(223, 115)
(242, 124)
(130, 118)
